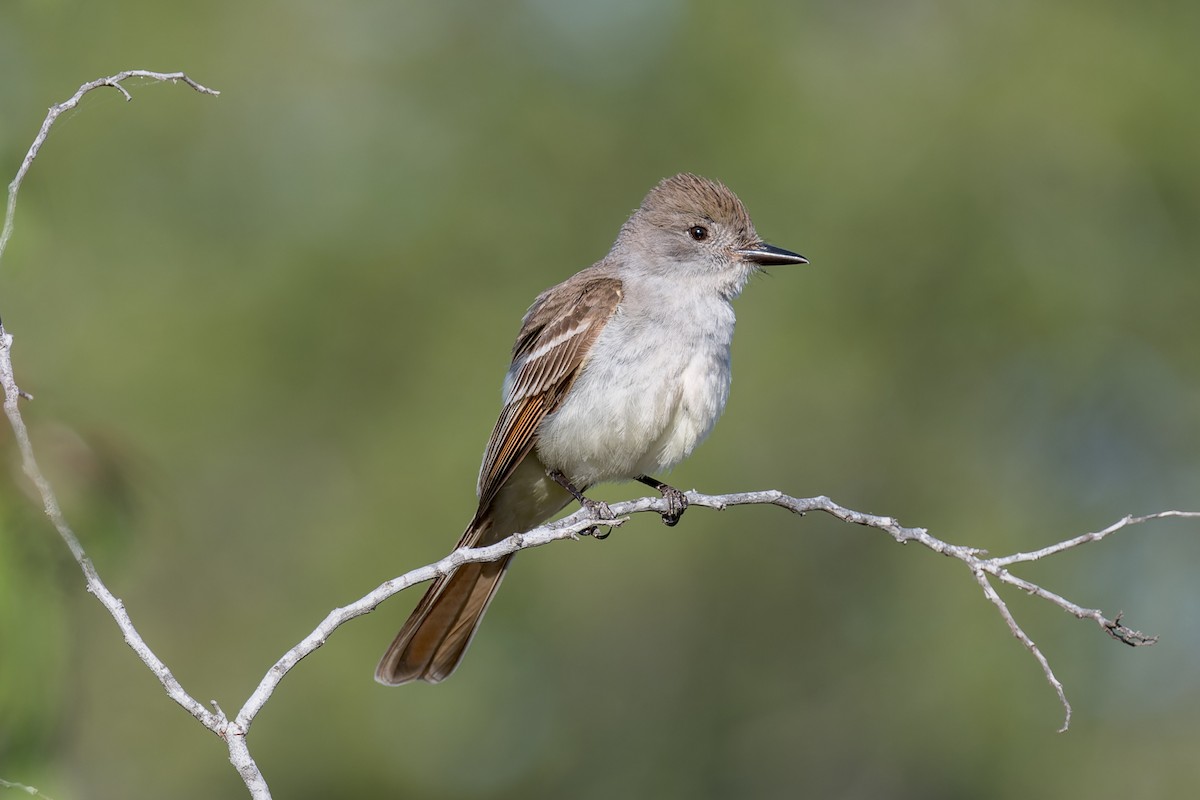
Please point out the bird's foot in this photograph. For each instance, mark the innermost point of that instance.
(597, 508)
(677, 501)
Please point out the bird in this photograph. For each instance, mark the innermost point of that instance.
(617, 374)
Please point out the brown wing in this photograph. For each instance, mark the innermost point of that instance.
(552, 346)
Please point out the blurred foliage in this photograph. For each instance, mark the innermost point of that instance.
(266, 334)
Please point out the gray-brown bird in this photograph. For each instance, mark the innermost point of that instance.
(617, 374)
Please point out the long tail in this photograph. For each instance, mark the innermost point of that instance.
(436, 635)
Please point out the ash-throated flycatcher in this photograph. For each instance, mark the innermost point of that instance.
(617, 374)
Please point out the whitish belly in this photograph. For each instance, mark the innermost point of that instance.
(636, 411)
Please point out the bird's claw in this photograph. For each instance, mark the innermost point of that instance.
(677, 503)
(599, 510)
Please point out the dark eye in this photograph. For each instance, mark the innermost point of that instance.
(698, 232)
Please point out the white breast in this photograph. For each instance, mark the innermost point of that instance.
(651, 390)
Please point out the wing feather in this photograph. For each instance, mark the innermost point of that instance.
(555, 339)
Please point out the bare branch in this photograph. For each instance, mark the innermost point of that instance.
(994, 598)
(570, 527)
(30, 790)
(567, 528)
(94, 584)
(1086, 538)
(13, 395)
(57, 109)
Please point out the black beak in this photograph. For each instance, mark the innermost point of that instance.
(766, 255)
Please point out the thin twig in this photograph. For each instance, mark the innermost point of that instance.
(20, 787)
(13, 394)
(571, 526)
(994, 598)
(1086, 538)
(71, 102)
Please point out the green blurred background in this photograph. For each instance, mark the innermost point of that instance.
(267, 331)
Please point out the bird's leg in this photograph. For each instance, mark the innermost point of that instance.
(677, 501)
(597, 508)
